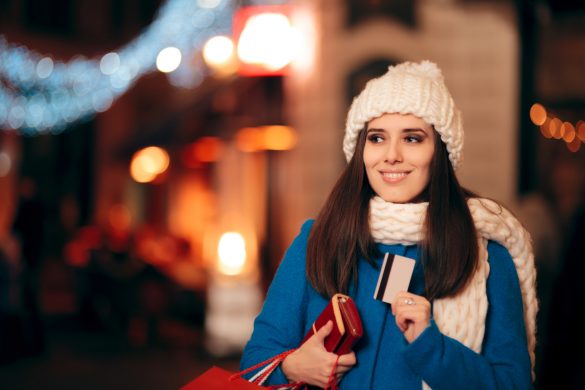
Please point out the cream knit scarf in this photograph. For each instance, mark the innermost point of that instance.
(463, 317)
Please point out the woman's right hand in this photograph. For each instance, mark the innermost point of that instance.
(312, 364)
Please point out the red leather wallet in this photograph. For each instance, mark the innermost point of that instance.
(347, 325)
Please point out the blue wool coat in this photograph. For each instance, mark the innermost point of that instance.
(385, 360)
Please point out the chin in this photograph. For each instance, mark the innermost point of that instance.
(419, 198)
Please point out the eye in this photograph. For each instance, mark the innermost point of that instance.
(375, 138)
(413, 139)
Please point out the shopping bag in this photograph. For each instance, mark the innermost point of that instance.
(219, 379)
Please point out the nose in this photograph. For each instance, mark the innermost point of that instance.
(393, 152)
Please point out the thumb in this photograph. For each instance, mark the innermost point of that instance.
(324, 331)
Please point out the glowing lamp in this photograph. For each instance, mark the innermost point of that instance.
(569, 133)
(219, 55)
(250, 139)
(231, 250)
(205, 150)
(148, 163)
(168, 59)
(276, 137)
(580, 128)
(279, 137)
(537, 114)
(266, 41)
(574, 145)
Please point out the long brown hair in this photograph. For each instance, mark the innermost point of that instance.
(341, 232)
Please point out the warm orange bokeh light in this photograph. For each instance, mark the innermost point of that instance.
(545, 129)
(119, 217)
(537, 114)
(561, 131)
(250, 139)
(231, 252)
(253, 139)
(569, 134)
(555, 128)
(208, 149)
(581, 130)
(264, 38)
(279, 138)
(139, 174)
(148, 163)
(219, 55)
(204, 150)
(575, 145)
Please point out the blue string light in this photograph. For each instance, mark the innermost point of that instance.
(39, 94)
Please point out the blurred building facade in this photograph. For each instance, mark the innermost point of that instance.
(498, 57)
(478, 44)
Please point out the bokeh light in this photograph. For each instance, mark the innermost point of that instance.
(581, 130)
(45, 67)
(168, 59)
(204, 150)
(268, 39)
(569, 133)
(555, 128)
(537, 114)
(250, 139)
(279, 138)
(110, 63)
(148, 163)
(574, 146)
(545, 129)
(231, 251)
(219, 54)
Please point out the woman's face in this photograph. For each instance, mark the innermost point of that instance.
(397, 156)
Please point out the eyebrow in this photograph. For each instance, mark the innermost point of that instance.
(407, 130)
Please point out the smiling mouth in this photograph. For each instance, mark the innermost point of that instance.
(393, 177)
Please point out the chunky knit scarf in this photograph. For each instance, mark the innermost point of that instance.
(463, 317)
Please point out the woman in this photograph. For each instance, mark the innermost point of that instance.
(467, 319)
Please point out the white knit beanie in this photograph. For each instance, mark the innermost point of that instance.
(408, 88)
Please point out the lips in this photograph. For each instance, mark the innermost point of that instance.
(393, 177)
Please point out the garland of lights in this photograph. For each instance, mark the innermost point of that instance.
(39, 95)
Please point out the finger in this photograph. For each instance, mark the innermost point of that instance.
(414, 309)
(407, 317)
(407, 301)
(401, 299)
(324, 331)
(348, 359)
(403, 320)
(397, 298)
(400, 322)
(410, 316)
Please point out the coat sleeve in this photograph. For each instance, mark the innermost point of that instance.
(445, 363)
(279, 326)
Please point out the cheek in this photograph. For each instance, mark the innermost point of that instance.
(371, 156)
(424, 160)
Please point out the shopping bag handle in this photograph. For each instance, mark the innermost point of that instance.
(271, 365)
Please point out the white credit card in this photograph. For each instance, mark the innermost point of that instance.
(394, 277)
